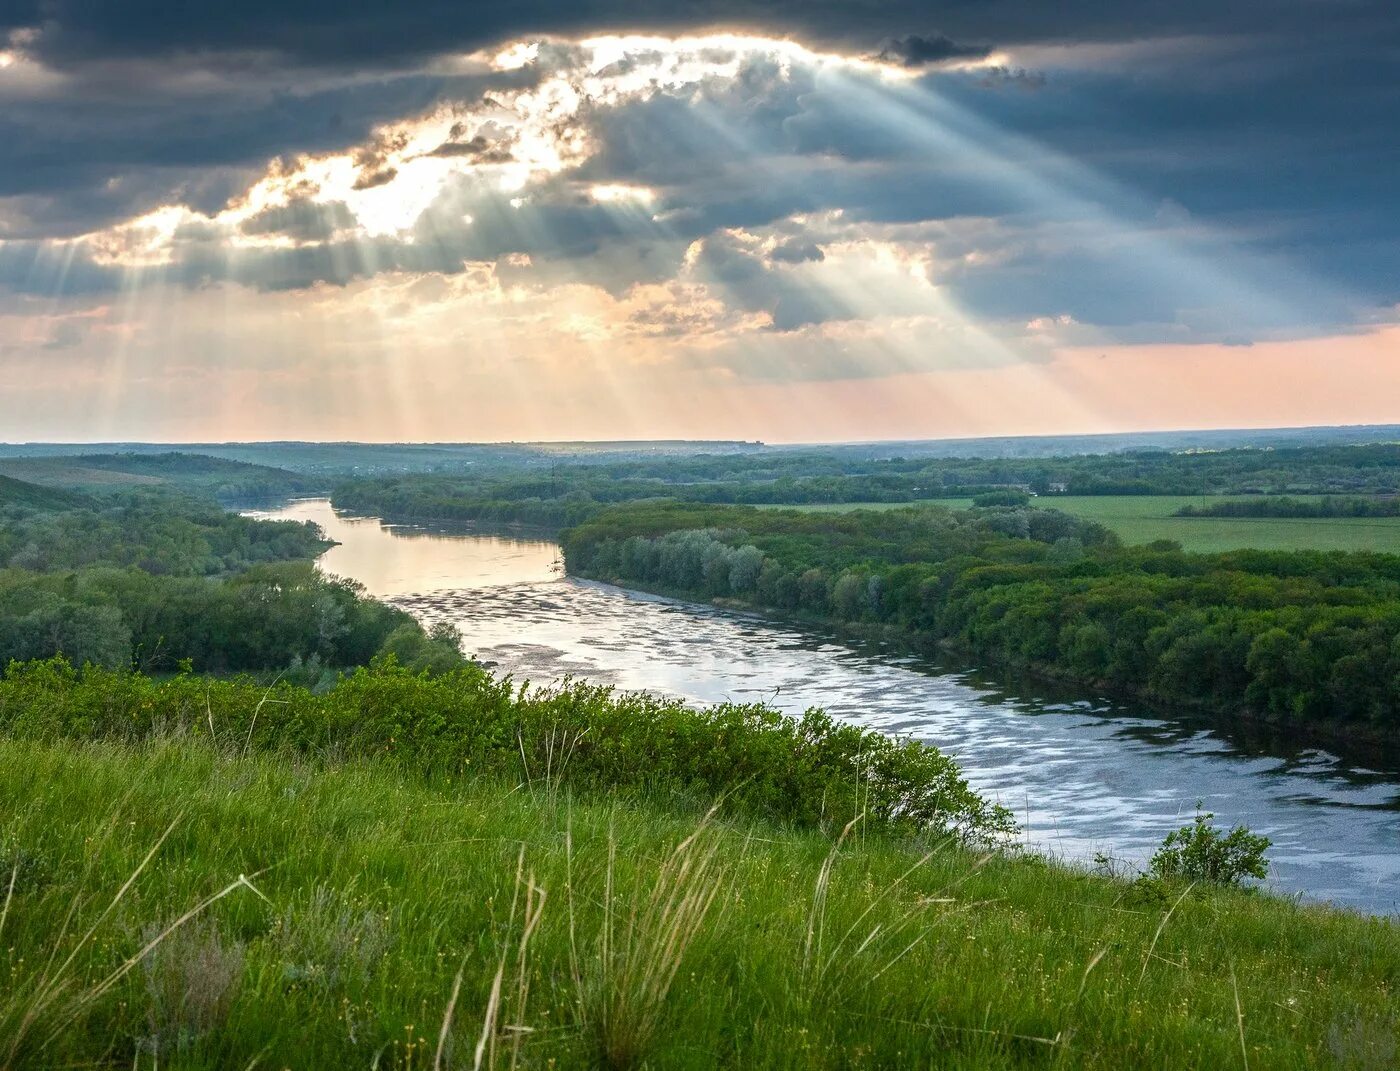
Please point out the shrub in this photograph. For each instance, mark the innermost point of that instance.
(1201, 852)
(1001, 498)
(811, 771)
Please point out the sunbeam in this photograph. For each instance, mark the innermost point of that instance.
(663, 224)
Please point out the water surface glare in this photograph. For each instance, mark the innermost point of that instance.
(1082, 777)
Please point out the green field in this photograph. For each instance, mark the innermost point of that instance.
(1143, 518)
(388, 920)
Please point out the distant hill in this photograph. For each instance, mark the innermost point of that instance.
(20, 493)
(198, 473)
(340, 460)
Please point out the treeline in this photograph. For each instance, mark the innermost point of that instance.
(436, 499)
(565, 500)
(155, 579)
(1328, 506)
(1299, 637)
(568, 493)
(266, 617)
(1371, 468)
(808, 771)
(161, 532)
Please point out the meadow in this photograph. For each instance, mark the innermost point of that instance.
(179, 904)
(1144, 518)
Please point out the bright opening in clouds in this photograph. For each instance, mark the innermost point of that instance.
(576, 234)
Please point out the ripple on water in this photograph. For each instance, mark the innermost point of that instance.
(1083, 776)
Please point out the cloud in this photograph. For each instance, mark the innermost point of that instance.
(796, 251)
(759, 188)
(915, 51)
(367, 34)
(300, 219)
(479, 148)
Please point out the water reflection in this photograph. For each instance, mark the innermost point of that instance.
(403, 559)
(1082, 776)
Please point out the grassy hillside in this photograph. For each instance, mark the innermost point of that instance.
(35, 496)
(415, 872)
(1144, 518)
(393, 920)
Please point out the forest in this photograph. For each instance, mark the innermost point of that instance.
(157, 578)
(1299, 638)
(566, 492)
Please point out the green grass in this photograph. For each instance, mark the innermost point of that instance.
(597, 932)
(1143, 518)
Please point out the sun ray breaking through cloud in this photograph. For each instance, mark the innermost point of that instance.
(620, 230)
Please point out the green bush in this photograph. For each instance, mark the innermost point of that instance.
(1001, 498)
(810, 771)
(1201, 852)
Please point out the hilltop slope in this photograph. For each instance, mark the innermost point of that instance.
(35, 496)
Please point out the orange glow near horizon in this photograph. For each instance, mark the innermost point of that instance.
(1352, 379)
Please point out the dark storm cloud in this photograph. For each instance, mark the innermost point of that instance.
(478, 149)
(1272, 121)
(87, 155)
(358, 32)
(913, 50)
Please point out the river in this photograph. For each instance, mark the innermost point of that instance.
(1084, 777)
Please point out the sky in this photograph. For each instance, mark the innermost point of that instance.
(782, 220)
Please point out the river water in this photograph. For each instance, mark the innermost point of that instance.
(1082, 776)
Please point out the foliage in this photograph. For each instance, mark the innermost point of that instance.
(262, 618)
(1270, 506)
(155, 578)
(810, 771)
(160, 532)
(1201, 852)
(25, 495)
(191, 473)
(1304, 638)
(569, 490)
(382, 894)
(1002, 498)
(439, 650)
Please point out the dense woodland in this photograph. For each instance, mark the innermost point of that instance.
(157, 574)
(567, 493)
(1298, 637)
(156, 579)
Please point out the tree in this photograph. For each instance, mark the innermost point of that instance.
(745, 567)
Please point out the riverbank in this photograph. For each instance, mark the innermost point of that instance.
(1358, 742)
(1082, 777)
(619, 932)
(1291, 638)
(1253, 729)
